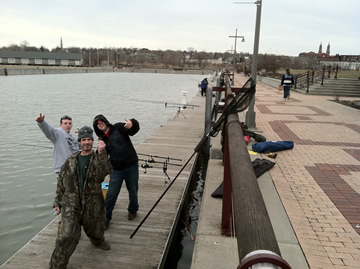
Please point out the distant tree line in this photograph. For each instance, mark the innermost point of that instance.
(268, 64)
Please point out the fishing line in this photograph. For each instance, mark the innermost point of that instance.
(36, 146)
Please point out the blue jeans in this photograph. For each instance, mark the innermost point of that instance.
(131, 177)
(286, 91)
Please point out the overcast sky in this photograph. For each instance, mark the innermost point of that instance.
(288, 27)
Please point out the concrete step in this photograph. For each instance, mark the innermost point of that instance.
(333, 93)
(335, 87)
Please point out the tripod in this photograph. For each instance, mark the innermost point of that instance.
(178, 113)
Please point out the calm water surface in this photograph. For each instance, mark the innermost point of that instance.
(27, 179)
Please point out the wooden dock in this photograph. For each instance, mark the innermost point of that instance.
(176, 138)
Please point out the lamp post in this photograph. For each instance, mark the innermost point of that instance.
(250, 114)
(97, 58)
(108, 58)
(234, 60)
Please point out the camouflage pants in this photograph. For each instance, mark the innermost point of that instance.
(70, 234)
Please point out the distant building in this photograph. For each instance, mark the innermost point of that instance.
(40, 58)
(345, 62)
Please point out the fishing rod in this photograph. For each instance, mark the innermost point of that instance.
(183, 106)
(164, 168)
(160, 157)
(162, 195)
(153, 161)
(146, 166)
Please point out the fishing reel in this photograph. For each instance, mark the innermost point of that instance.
(146, 166)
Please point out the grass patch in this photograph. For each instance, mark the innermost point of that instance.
(349, 74)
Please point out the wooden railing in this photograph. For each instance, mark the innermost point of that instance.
(304, 80)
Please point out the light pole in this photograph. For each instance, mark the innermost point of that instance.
(234, 61)
(97, 56)
(108, 58)
(250, 114)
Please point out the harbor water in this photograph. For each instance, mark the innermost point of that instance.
(27, 178)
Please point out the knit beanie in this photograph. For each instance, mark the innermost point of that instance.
(85, 131)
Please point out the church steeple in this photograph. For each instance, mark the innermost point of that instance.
(320, 48)
(328, 50)
(61, 44)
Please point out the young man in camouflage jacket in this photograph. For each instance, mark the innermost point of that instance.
(80, 199)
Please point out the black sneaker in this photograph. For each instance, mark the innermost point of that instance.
(107, 224)
(131, 215)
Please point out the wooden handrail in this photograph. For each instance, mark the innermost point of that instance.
(244, 209)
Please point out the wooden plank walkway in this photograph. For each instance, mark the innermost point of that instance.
(177, 138)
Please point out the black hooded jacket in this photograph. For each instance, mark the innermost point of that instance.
(118, 145)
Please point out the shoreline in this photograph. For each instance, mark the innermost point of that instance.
(44, 70)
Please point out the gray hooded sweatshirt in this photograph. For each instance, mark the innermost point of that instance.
(64, 144)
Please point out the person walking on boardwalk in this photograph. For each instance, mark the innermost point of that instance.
(64, 144)
(287, 81)
(80, 200)
(204, 85)
(124, 160)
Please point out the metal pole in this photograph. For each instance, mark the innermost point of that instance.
(250, 115)
(234, 61)
(234, 56)
(97, 55)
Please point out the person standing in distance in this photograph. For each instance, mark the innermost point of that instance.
(124, 160)
(64, 144)
(80, 200)
(204, 86)
(287, 81)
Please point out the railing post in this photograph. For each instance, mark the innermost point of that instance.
(329, 71)
(226, 218)
(312, 76)
(323, 75)
(336, 71)
(307, 81)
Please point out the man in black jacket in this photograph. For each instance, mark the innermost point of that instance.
(124, 160)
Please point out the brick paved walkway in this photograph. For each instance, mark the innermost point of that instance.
(319, 179)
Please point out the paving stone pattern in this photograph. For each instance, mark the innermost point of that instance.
(319, 179)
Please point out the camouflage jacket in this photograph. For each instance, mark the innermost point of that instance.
(68, 192)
